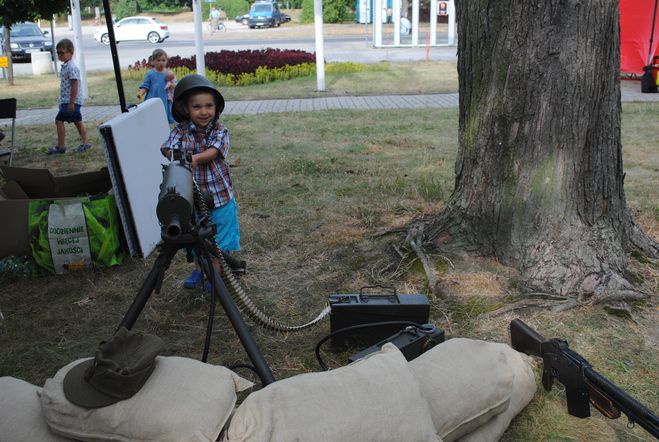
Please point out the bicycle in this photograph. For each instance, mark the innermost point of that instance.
(221, 27)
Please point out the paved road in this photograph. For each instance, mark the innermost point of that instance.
(342, 43)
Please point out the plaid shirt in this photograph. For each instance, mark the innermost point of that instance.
(213, 177)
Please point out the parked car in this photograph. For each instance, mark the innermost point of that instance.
(285, 18)
(244, 19)
(264, 14)
(135, 28)
(27, 38)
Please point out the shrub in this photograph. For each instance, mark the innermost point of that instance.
(334, 11)
(234, 7)
(229, 7)
(125, 8)
(236, 63)
(244, 68)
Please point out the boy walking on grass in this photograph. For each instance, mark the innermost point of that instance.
(70, 100)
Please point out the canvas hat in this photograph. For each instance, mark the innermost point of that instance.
(119, 369)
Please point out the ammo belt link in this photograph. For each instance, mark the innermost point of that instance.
(242, 300)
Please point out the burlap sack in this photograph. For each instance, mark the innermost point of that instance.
(20, 413)
(467, 383)
(373, 399)
(183, 400)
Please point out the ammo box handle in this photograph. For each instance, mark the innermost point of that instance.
(364, 297)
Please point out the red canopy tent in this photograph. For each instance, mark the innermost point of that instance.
(637, 34)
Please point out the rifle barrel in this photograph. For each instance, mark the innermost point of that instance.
(633, 409)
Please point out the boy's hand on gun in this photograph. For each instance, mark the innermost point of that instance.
(140, 94)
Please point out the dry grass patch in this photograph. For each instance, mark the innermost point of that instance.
(316, 191)
(473, 284)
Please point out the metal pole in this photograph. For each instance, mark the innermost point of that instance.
(320, 45)
(415, 22)
(115, 57)
(199, 37)
(654, 19)
(52, 39)
(434, 8)
(240, 327)
(377, 23)
(451, 22)
(79, 53)
(397, 13)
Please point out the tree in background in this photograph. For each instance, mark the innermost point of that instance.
(125, 8)
(539, 175)
(334, 11)
(16, 11)
(231, 8)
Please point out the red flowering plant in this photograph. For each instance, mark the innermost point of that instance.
(241, 67)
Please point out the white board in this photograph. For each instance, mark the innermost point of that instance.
(132, 143)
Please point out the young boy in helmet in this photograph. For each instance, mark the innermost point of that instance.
(197, 106)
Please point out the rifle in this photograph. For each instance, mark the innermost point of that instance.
(582, 383)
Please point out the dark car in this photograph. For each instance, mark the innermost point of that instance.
(285, 18)
(26, 38)
(264, 14)
(244, 19)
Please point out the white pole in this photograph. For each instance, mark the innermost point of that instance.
(415, 23)
(199, 37)
(77, 43)
(396, 7)
(451, 23)
(320, 50)
(433, 22)
(377, 23)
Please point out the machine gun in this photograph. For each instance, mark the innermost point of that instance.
(582, 383)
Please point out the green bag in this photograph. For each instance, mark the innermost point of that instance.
(74, 233)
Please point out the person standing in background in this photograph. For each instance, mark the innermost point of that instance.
(214, 19)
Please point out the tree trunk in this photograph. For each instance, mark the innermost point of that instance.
(7, 51)
(539, 176)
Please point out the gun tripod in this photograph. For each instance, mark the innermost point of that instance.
(197, 240)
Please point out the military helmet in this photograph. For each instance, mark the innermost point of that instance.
(190, 83)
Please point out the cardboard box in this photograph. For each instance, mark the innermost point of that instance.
(23, 185)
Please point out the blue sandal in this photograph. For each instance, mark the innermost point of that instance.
(193, 281)
(83, 147)
(55, 150)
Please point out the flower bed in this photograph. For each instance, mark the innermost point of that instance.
(242, 68)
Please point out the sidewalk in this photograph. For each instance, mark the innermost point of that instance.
(630, 91)
(104, 113)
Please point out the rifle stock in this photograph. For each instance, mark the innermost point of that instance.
(583, 385)
(524, 339)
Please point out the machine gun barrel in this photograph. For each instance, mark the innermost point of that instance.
(582, 383)
(176, 200)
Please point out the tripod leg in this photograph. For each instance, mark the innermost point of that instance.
(236, 319)
(148, 286)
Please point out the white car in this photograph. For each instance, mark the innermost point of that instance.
(135, 28)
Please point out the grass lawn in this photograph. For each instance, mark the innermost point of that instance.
(389, 78)
(314, 194)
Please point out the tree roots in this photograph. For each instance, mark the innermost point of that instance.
(605, 286)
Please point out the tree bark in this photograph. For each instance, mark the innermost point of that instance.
(7, 52)
(539, 175)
